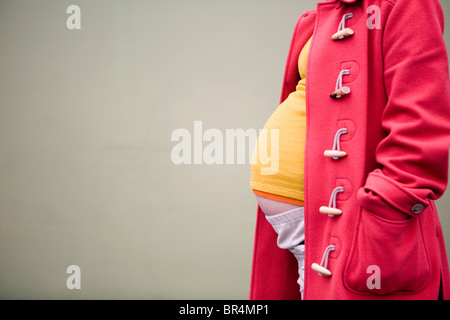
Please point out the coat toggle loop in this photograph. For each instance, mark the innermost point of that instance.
(331, 210)
(336, 152)
(343, 32)
(339, 90)
(321, 268)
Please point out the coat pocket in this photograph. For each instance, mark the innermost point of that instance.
(388, 253)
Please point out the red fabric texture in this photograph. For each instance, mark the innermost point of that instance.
(398, 121)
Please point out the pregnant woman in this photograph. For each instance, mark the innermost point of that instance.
(363, 143)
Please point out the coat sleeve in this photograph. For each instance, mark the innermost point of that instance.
(413, 156)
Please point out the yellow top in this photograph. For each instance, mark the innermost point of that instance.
(279, 175)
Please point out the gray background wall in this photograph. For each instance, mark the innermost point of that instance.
(86, 118)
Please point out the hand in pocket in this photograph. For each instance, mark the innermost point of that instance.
(390, 241)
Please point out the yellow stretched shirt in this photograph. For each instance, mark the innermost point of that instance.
(290, 119)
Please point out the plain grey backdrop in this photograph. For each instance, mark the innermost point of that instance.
(86, 117)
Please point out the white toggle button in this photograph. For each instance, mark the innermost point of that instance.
(335, 154)
(321, 270)
(339, 93)
(347, 32)
(330, 211)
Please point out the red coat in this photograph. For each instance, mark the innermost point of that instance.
(388, 242)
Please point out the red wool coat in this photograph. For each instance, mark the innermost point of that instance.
(388, 242)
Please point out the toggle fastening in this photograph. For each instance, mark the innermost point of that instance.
(321, 268)
(343, 32)
(336, 153)
(339, 90)
(331, 210)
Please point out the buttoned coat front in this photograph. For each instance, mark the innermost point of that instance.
(387, 243)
